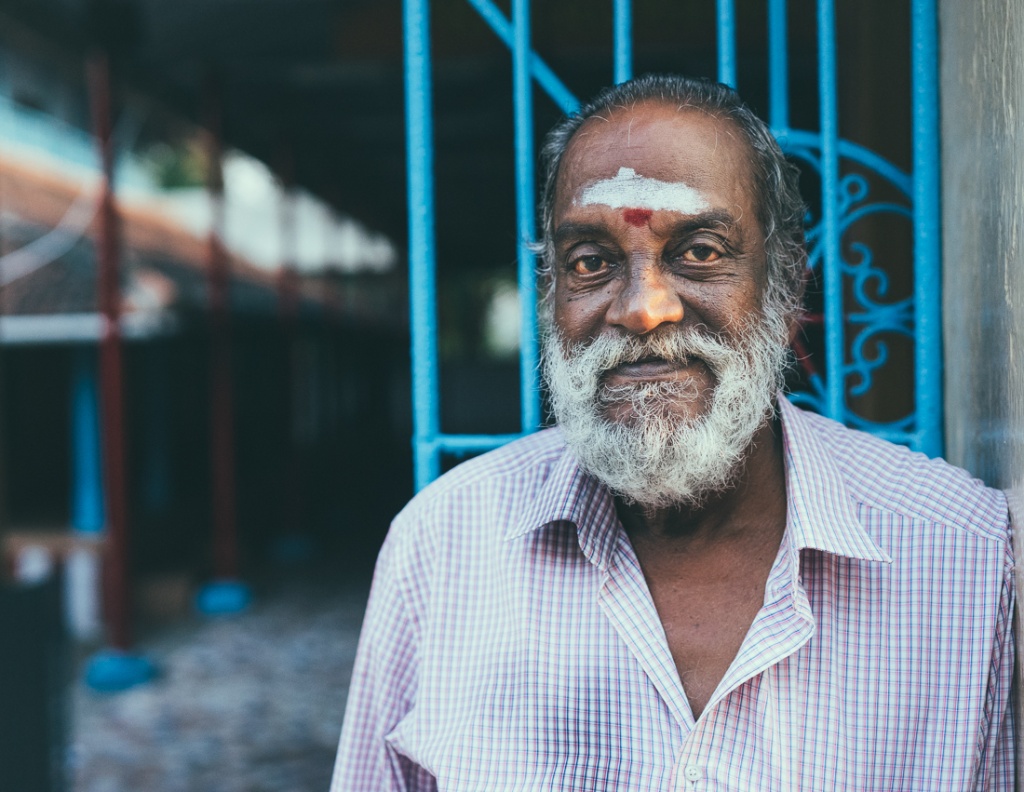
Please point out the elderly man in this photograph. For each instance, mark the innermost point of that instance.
(689, 584)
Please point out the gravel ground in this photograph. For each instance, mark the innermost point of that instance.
(251, 703)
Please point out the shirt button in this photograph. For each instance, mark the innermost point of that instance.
(692, 773)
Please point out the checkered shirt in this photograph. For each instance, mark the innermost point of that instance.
(511, 643)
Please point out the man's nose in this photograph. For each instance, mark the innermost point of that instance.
(647, 301)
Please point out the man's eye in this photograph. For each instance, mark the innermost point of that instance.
(589, 265)
(701, 253)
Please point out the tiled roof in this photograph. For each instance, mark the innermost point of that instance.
(162, 265)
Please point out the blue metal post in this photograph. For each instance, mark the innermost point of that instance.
(833, 276)
(541, 72)
(726, 41)
(86, 453)
(82, 588)
(623, 24)
(927, 231)
(422, 280)
(778, 67)
(522, 86)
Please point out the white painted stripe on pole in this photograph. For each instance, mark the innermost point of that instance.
(82, 593)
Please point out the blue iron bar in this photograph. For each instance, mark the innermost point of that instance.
(778, 66)
(422, 254)
(833, 275)
(726, 41)
(522, 86)
(468, 444)
(623, 25)
(546, 78)
(87, 513)
(790, 139)
(927, 253)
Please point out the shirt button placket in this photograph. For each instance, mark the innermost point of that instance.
(692, 774)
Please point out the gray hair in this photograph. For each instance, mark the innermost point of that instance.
(780, 208)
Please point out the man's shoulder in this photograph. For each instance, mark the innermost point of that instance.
(509, 476)
(883, 475)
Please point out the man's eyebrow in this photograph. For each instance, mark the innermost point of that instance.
(569, 231)
(710, 219)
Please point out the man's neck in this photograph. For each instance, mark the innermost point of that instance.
(755, 503)
(706, 568)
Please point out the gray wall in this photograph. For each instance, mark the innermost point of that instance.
(982, 72)
(982, 52)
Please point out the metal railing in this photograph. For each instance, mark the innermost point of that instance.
(850, 308)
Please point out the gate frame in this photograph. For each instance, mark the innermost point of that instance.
(919, 316)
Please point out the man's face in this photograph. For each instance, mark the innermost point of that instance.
(663, 361)
(655, 227)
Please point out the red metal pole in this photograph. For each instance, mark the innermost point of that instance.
(116, 594)
(222, 417)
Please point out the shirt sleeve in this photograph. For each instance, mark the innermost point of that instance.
(383, 688)
(997, 768)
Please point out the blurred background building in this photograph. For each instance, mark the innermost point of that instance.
(316, 301)
(256, 220)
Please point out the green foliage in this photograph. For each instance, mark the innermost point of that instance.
(177, 166)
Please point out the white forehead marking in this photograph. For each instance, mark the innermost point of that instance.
(630, 191)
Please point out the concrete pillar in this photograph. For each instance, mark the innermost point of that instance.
(982, 89)
(983, 238)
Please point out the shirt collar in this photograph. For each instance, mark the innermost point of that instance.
(820, 512)
(569, 494)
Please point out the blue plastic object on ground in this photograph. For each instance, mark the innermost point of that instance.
(112, 671)
(223, 597)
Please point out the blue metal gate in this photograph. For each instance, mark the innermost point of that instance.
(855, 313)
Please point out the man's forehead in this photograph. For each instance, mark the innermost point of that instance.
(658, 141)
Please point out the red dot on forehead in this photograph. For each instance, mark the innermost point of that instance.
(636, 217)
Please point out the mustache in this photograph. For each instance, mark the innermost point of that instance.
(648, 452)
(672, 344)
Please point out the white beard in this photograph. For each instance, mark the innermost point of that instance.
(656, 458)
